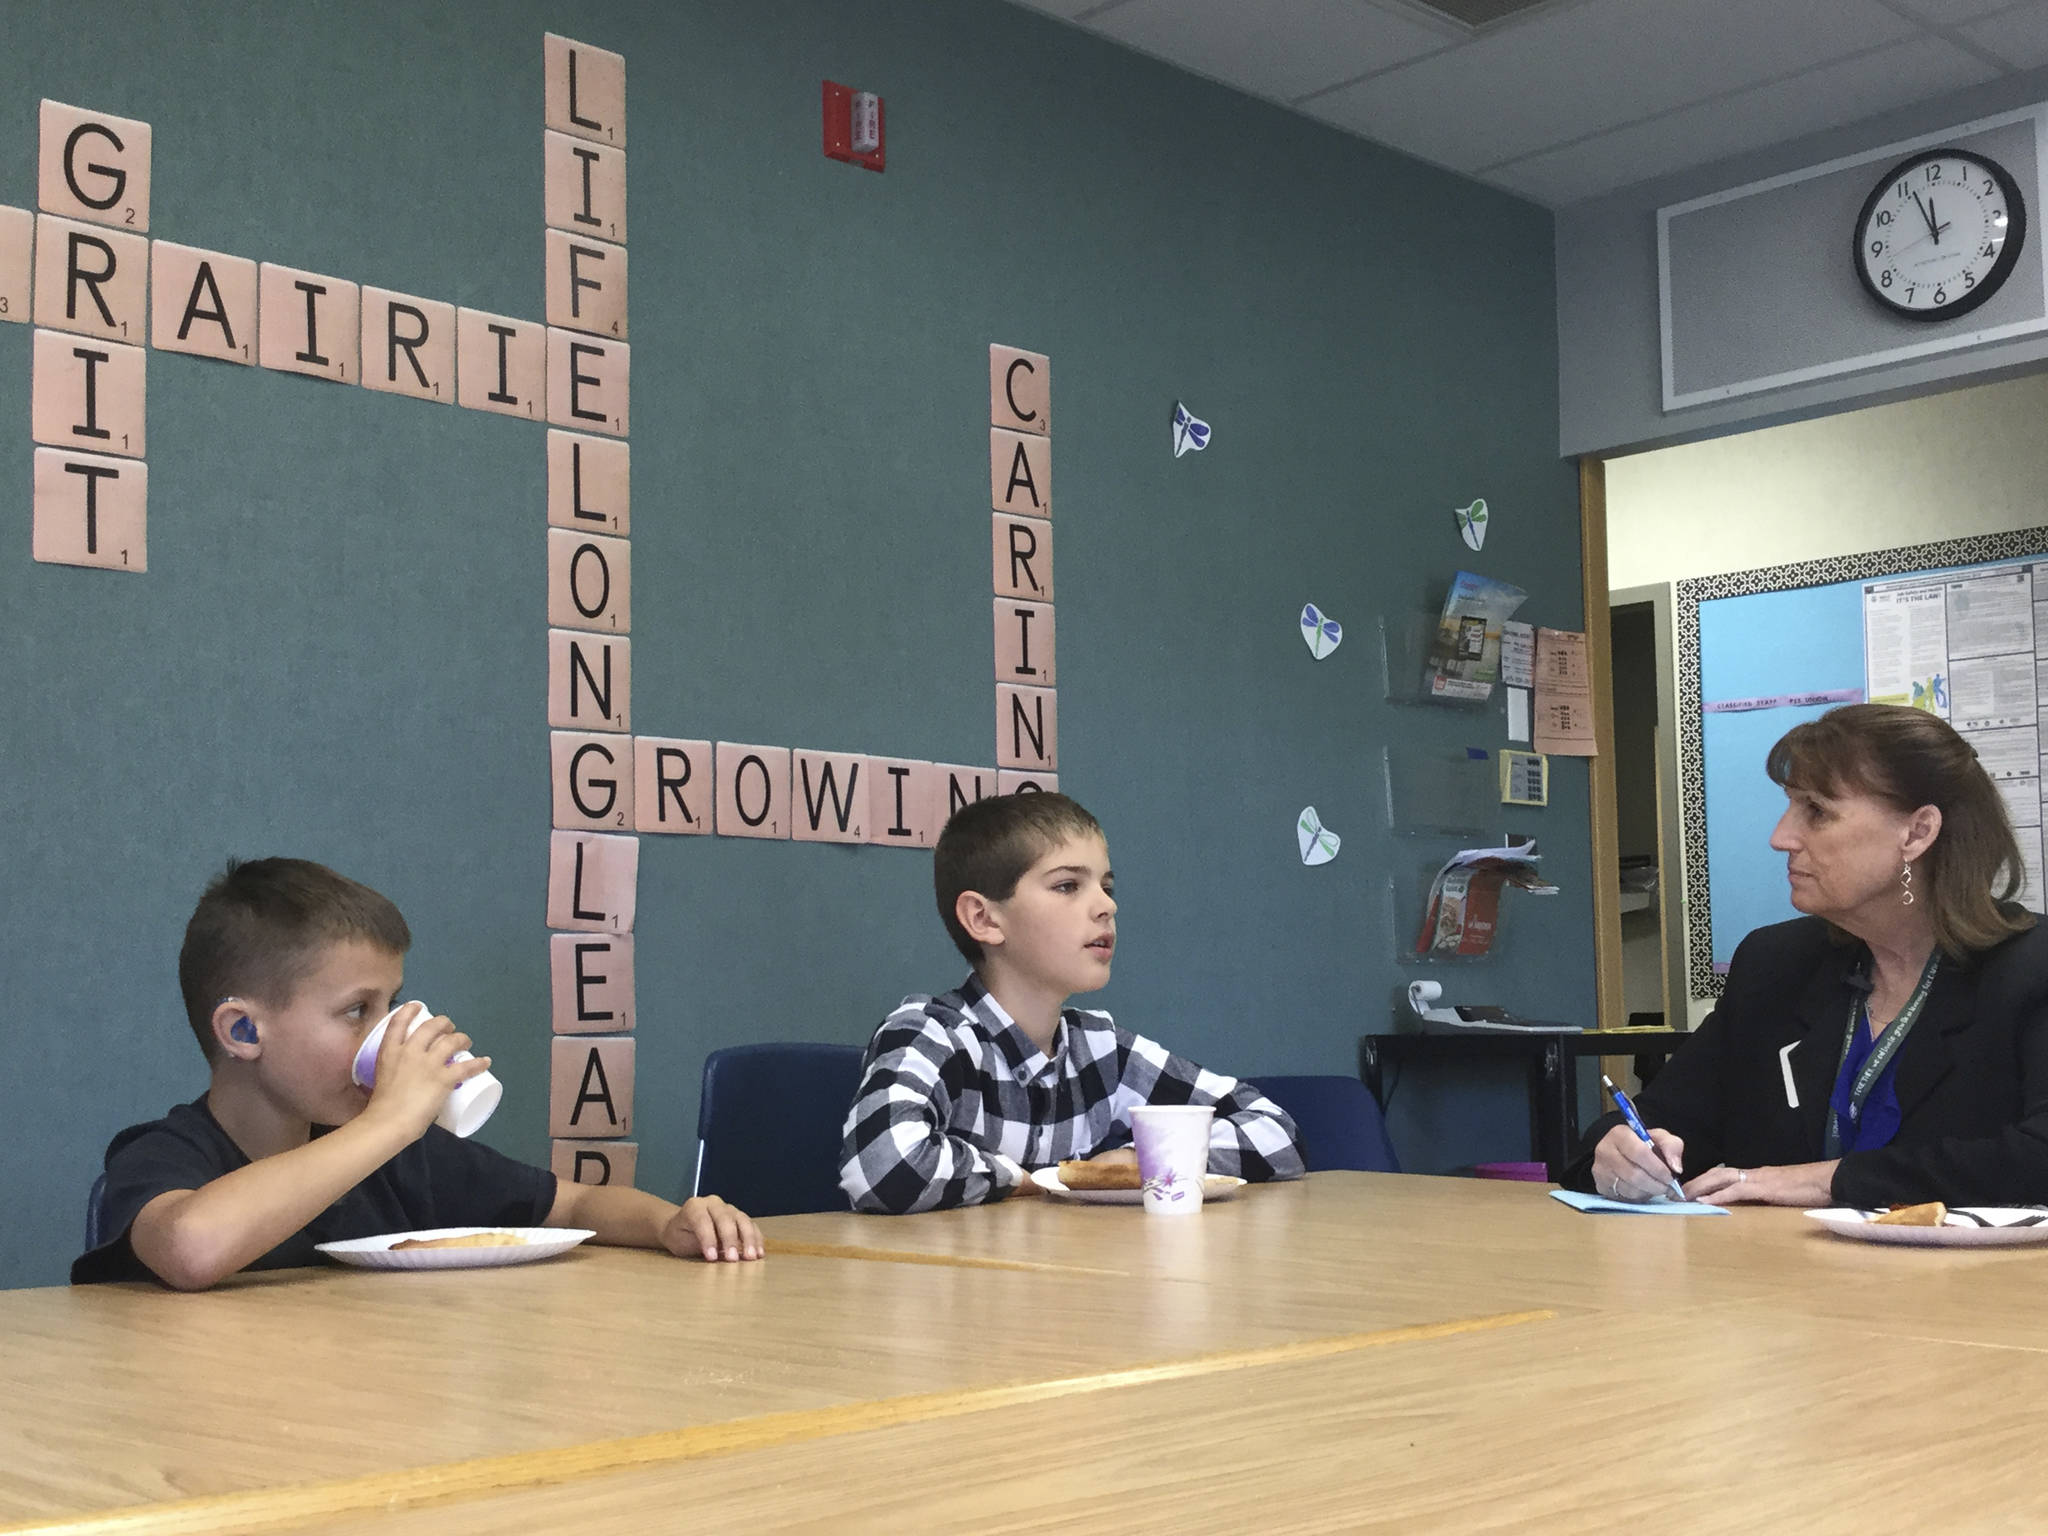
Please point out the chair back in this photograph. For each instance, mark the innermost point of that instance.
(1339, 1121)
(95, 1219)
(768, 1126)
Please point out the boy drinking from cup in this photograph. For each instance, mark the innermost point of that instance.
(961, 1094)
(286, 967)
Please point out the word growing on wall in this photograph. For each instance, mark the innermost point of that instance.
(84, 270)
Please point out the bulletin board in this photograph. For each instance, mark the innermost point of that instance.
(1759, 652)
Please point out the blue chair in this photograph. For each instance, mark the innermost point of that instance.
(768, 1126)
(1339, 1120)
(95, 1212)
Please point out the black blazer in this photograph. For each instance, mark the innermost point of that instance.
(1972, 1077)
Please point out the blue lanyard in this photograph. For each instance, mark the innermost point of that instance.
(1882, 1051)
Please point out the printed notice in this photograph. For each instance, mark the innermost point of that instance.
(1564, 695)
(1972, 647)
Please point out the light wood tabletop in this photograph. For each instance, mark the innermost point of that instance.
(1341, 1334)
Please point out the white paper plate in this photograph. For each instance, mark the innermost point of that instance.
(1967, 1226)
(1215, 1186)
(376, 1252)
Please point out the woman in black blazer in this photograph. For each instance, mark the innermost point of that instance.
(1891, 1046)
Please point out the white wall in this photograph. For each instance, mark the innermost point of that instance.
(1938, 467)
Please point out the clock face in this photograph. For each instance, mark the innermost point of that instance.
(1940, 234)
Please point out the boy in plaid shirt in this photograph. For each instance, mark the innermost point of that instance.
(961, 1094)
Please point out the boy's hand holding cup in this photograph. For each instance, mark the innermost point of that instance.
(1172, 1141)
(426, 1071)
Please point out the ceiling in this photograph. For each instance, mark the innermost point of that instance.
(1569, 99)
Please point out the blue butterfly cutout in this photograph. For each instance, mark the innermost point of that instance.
(1189, 431)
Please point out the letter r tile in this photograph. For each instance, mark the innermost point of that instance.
(596, 1162)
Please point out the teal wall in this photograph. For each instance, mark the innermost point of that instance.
(338, 650)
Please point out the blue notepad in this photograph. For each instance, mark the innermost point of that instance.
(1594, 1205)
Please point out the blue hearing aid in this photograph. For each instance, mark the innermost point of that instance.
(243, 1031)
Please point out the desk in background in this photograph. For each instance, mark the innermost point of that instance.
(1548, 1058)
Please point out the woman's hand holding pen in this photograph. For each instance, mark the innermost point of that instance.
(1625, 1167)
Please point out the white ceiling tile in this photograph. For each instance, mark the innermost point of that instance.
(1949, 13)
(2018, 36)
(1828, 97)
(1280, 49)
(1596, 66)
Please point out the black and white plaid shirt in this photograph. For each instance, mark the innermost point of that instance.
(955, 1102)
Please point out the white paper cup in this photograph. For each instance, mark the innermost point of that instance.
(1173, 1155)
(470, 1103)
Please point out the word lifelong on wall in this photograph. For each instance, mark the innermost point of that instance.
(84, 271)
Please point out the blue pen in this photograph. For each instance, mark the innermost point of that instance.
(1635, 1123)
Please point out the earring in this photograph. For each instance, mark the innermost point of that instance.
(1905, 885)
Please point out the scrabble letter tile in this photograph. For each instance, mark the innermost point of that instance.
(592, 982)
(584, 187)
(586, 284)
(905, 801)
(1023, 557)
(829, 797)
(501, 364)
(589, 380)
(1027, 728)
(672, 788)
(90, 511)
(306, 323)
(17, 271)
(1019, 390)
(94, 166)
(1009, 782)
(585, 90)
(1020, 472)
(753, 790)
(589, 483)
(960, 786)
(590, 1089)
(590, 681)
(1024, 643)
(409, 345)
(202, 302)
(593, 882)
(91, 279)
(593, 780)
(596, 1162)
(590, 582)
(88, 394)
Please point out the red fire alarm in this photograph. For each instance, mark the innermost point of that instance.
(853, 125)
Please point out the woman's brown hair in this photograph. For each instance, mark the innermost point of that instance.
(1909, 758)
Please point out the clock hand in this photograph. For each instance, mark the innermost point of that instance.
(1932, 219)
(1925, 214)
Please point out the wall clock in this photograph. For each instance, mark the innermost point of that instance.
(1939, 234)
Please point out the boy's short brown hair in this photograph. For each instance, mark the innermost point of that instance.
(261, 927)
(987, 847)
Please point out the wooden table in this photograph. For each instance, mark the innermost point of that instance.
(1354, 1351)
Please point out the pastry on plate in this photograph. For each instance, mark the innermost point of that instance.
(1931, 1214)
(1078, 1174)
(467, 1240)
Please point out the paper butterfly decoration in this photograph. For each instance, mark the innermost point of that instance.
(1319, 844)
(1322, 633)
(1472, 523)
(1188, 431)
